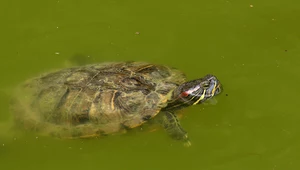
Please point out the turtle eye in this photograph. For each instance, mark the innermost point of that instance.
(205, 85)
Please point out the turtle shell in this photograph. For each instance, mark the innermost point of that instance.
(94, 100)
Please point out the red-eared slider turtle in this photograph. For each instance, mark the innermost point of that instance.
(100, 99)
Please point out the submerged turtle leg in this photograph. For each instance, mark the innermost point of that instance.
(173, 128)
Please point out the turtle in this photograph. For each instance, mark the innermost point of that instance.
(99, 99)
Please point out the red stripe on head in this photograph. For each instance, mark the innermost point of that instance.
(184, 94)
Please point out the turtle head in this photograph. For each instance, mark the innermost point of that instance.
(195, 92)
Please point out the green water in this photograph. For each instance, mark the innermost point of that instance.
(252, 46)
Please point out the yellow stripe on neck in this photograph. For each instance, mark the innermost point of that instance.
(201, 97)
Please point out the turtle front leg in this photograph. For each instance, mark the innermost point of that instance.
(173, 128)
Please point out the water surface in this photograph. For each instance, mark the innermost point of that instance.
(252, 46)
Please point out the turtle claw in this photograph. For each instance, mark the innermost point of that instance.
(187, 143)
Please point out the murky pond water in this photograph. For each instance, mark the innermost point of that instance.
(252, 46)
